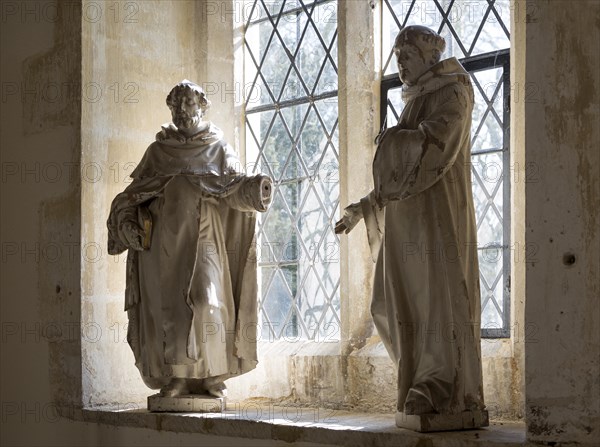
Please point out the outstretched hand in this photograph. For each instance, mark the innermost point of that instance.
(352, 215)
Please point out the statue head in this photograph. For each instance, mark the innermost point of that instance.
(187, 102)
(417, 49)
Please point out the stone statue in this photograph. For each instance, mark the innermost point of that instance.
(420, 223)
(188, 222)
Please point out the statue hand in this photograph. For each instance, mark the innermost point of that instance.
(352, 215)
(133, 235)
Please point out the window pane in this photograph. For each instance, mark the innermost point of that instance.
(469, 27)
(491, 284)
(487, 129)
(489, 172)
(291, 134)
(487, 177)
(395, 106)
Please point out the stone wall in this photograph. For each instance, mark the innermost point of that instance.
(562, 138)
(133, 54)
(41, 224)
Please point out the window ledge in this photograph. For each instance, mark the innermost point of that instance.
(253, 420)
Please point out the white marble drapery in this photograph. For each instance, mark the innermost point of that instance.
(191, 298)
(421, 226)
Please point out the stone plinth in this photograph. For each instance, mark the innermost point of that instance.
(425, 423)
(187, 403)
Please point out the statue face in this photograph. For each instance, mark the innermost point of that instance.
(411, 63)
(186, 112)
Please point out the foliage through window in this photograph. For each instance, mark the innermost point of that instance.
(290, 77)
(477, 33)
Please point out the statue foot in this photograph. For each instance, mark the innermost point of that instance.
(216, 389)
(418, 406)
(176, 387)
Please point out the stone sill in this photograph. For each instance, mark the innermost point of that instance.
(252, 420)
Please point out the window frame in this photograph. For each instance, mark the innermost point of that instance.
(273, 17)
(472, 64)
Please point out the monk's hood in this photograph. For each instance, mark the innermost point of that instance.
(448, 71)
(204, 154)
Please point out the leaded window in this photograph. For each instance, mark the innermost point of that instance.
(477, 33)
(290, 71)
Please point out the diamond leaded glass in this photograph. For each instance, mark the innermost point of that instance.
(292, 135)
(470, 27)
(477, 33)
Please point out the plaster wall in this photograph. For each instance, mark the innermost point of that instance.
(40, 209)
(127, 70)
(514, 389)
(214, 47)
(562, 137)
(41, 206)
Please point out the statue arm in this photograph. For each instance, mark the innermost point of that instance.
(446, 133)
(373, 214)
(127, 221)
(252, 193)
(410, 161)
(369, 210)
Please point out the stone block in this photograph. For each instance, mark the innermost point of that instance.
(426, 423)
(187, 403)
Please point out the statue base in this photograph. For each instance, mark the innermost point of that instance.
(187, 403)
(431, 422)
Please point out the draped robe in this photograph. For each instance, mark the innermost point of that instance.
(191, 297)
(421, 227)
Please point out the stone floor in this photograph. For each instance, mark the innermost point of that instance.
(256, 421)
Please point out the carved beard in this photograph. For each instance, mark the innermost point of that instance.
(185, 121)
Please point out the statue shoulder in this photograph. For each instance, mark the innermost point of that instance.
(231, 161)
(455, 92)
(148, 161)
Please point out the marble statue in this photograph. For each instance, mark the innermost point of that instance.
(188, 220)
(421, 229)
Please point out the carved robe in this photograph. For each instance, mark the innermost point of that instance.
(421, 227)
(191, 297)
